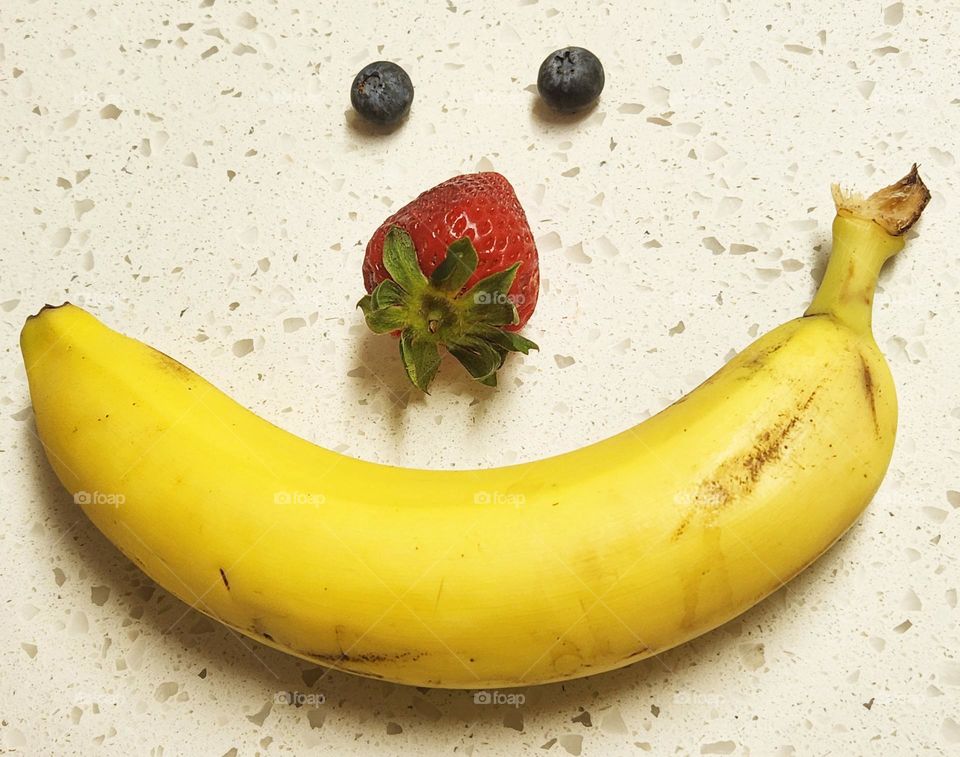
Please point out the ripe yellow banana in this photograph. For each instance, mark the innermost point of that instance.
(524, 574)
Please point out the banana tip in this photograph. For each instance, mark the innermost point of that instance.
(46, 307)
(895, 208)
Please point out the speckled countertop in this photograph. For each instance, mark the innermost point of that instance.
(189, 172)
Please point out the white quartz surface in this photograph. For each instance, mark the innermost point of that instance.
(190, 172)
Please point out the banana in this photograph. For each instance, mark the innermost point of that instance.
(518, 575)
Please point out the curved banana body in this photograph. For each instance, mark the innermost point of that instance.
(524, 574)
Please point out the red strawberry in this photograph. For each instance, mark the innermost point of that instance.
(456, 267)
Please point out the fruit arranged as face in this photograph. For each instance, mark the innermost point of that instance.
(382, 92)
(517, 575)
(570, 79)
(456, 268)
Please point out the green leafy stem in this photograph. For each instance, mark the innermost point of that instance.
(434, 311)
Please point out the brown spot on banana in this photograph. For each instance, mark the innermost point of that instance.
(682, 528)
(868, 388)
(223, 577)
(337, 659)
(259, 629)
(176, 367)
(643, 651)
(737, 476)
(345, 658)
(763, 356)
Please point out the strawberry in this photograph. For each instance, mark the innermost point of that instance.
(458, 268)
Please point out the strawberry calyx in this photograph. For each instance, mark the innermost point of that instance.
(430, 312)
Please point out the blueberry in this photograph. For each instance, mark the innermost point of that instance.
(570, 79)
(382, 92)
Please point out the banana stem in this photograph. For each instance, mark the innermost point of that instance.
(860, 248)
(866, 232)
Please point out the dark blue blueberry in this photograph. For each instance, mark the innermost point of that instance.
(382, 92)
(570, 79)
